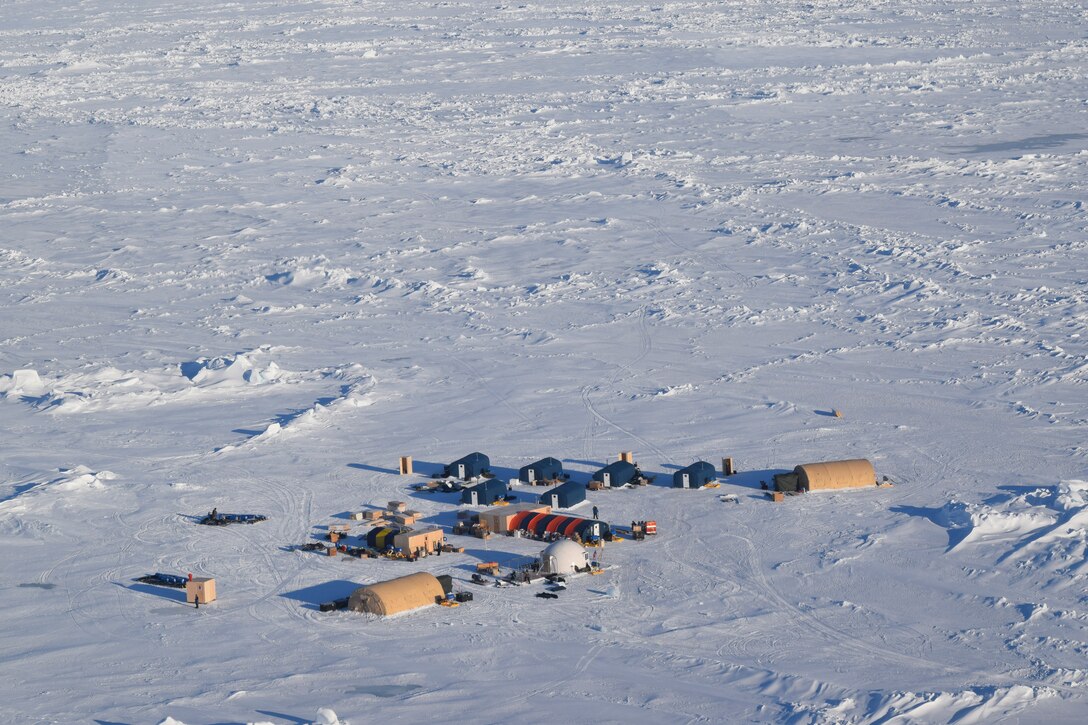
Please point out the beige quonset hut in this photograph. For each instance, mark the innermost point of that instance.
(853, 473)
(402, 594)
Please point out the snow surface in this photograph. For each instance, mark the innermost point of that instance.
(250, 253)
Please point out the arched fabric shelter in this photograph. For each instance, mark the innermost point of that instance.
(546, 469)
(403, 594)
(696, 475)
(852, 473)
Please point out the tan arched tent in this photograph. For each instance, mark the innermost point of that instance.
(853, 473)
(397, 595)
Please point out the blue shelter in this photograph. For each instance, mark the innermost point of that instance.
(484, 493)
(616, 474)
(564, 495)
(546, 469)
(471, 466)
(696, 475)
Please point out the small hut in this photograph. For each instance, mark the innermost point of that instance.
(469, 467)
(616, 474)
(402, 594)
(565, 495)
(546, 469)
(696, 475)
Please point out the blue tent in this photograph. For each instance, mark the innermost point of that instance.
(546, 469)
(694, 476)
(564, 495)
(616, 474)
(484, 493)
(471, 466)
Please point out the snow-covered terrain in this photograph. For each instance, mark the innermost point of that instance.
(251, 253)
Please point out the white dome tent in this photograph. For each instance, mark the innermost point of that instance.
(563, 557)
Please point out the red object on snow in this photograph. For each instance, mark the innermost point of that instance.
(190, 576)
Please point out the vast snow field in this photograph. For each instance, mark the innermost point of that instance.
(251, 253)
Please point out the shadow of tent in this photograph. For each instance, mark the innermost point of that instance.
(592, 464)
(376, 469)
(169, 593)
(445, 519)
(660, 478)
(504, 473)
(427, 468)
(452, 498)
(504, 558)
(325, 592)
(751, 479)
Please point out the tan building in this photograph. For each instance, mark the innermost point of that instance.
(426, 540)
(497, 520)
(403, 594)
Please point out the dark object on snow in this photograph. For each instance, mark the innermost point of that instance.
(312, 546)
(477, 579)
(164, 580)
(547, 595)
(334, 605)
(446, 581)
(469, 467)
(696, 475)
(463, 596)
(214, 518)
(565, 495)
(787, 482)
(617, 474)
(546, 469)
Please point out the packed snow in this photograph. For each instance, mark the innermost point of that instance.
(252, 253)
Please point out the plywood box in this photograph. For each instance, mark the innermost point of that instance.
(357, 516)
(200, 589)
(396, 506)
(403, 519)
(372, 515)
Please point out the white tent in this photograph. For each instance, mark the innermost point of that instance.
(563, 557)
